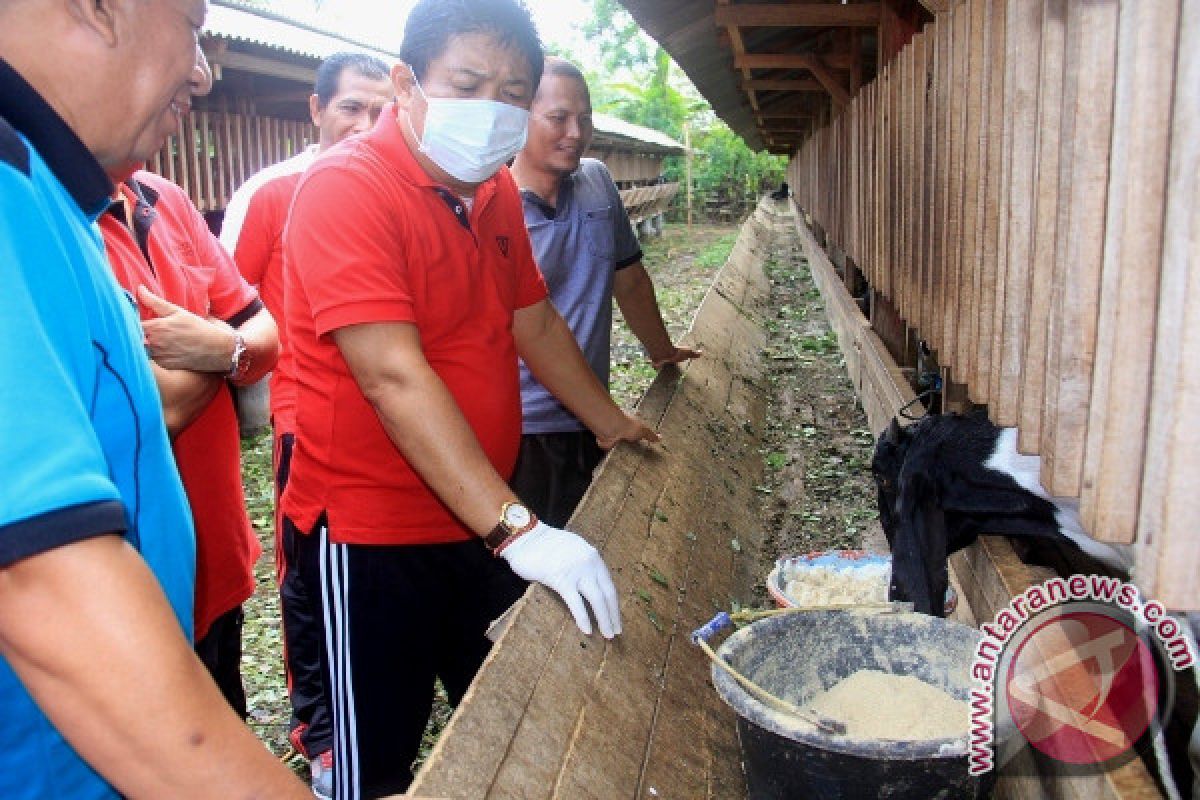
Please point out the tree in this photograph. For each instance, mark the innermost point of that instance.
(618, 36)
(642, 85)
(727, 171)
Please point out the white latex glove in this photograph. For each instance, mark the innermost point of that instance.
(566, 563)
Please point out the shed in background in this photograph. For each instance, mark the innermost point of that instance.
(264, 66)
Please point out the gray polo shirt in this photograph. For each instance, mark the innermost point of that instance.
(579, 245)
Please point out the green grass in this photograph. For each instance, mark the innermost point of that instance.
(823, 343)
(717, 253)
(682, 264)
(262, 638)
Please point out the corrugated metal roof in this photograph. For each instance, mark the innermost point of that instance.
(230, 20)
(227, 20)
(613, 127)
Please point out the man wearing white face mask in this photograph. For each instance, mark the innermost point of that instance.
(410, 291)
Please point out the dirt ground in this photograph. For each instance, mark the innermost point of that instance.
(818, 492)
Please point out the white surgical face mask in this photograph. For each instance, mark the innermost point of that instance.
(471, 138)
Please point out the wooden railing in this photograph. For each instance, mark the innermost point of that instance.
(1019, 189)
(644, 202)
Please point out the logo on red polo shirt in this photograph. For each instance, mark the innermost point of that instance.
(503, 242)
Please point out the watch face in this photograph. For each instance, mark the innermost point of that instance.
(516, 516)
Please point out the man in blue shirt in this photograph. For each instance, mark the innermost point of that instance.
(100, 691)
(589, 255)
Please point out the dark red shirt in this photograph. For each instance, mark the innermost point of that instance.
(184, 263)
(259, 256)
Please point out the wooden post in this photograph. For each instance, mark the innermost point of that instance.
(1024, 31)
(1048, 153)
(1088, 110)
(991, 247)
(1169, 551)
(687, 144)
(1120, 399)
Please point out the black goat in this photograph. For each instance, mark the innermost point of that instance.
(946, 479)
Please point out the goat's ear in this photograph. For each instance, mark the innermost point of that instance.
(893, 432)
(919, 549)
(931, 532)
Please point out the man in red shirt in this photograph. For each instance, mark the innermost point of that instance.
(204, 328)
(350, 91)
(410, 291)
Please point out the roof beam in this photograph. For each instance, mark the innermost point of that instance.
(678, 38)
(739, 50)
(799, 15)
(829, 81)
(258, 65)
(813, 63)
(789, 104)
(793, 85)
(790, 60)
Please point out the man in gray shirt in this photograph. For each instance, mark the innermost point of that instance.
(588, 253)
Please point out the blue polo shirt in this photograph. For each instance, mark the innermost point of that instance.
(85, 449)
(579, 244)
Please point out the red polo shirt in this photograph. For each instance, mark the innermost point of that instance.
(171, 252)
(259, 256)
(372, 238)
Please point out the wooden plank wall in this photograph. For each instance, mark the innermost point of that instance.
(1019, 185)
(626, 166)
(988, 573)
(227, 148)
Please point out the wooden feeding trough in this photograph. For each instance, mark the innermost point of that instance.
(1013, 184)
(556, 714)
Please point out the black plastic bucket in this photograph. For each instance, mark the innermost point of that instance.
(795, 656)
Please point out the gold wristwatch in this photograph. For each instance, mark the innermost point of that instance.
(515, 519)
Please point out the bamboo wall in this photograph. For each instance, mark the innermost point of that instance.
(227, 149)
(1020, 185)
(627, 167)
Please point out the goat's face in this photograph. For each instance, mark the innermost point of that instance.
(890, 451)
